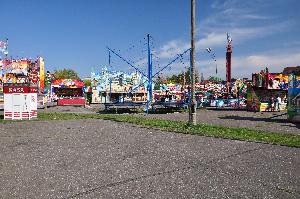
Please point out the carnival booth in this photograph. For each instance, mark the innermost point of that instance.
(68, 92)
(169, 93)
(13, 71)
(265, 89)
(294, 97)
(20, 98)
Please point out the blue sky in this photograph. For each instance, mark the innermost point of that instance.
(74, 34)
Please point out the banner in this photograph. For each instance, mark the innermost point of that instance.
(18, 67)
(41, 65)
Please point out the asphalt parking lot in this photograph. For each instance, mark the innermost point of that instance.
(104, 159)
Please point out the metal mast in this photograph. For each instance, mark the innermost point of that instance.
(149, 101)
(110, 75)
(192, 109)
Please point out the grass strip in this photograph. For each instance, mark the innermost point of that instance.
(235, 133)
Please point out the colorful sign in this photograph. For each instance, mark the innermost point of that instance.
(19, 66)
(267, 80)
(41, 66)
(19, 89)
(277, 81)
(68, 83)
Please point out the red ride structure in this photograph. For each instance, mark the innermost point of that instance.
(228, 63)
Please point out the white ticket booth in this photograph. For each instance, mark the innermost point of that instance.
(20, 102)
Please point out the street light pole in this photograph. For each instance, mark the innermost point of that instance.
(192, 112)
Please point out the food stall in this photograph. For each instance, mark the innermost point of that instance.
(264, 86)
(68, 92)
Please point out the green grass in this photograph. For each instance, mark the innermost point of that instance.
(234, 133)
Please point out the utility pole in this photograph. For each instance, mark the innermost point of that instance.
(110, 76)
(149, 101)
(184, 72)
(192, 112)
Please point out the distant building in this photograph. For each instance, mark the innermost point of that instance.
(290, 70)
(117, 86)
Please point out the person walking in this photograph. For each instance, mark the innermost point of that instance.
(275, 104)
(278, 100)
(269, 104)
(272, 104)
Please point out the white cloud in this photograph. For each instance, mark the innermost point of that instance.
(212, 39)
(217, 38)
(172, 48)
(256, 16)
(244, 66)
(230, 14)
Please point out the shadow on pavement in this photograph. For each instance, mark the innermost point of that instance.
(274, 118)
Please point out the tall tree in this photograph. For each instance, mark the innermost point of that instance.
(87, 82)
(182, 77)
(66, 74)
(159, 80)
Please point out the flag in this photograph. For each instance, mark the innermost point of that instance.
(3, 47)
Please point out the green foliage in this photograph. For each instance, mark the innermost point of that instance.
(87, 82)
(159, 80)
(183, 76)
(66, 74)
(46, 82)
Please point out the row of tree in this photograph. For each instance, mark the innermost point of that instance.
(181, 78)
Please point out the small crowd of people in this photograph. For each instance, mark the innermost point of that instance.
(274, 103)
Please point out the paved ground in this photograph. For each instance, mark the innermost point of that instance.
(266, 121)
(104, 159)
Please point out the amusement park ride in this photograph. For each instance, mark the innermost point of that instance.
(147, 78)
(228, 62)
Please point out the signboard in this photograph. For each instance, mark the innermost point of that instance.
(19, 66)
(41, 66)
(19, 89)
